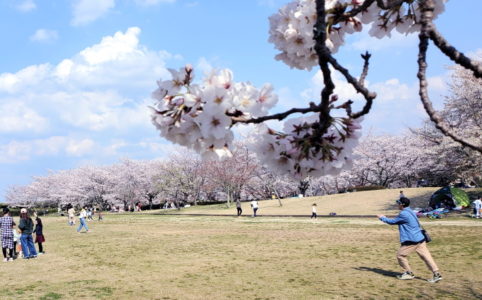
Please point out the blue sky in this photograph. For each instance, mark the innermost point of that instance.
(76, 75)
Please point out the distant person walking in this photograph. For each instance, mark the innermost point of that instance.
(6, 224)
(82, 221)
(477, 207)
(71, 213)
(401, 195)
(39, 235)
(313, 211)
(254, 205)
(238, 207)
(411, 239)
(26, 227)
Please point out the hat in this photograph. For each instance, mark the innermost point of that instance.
(23, 211)
(404, 201)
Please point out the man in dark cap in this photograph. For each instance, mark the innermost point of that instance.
(411, 239)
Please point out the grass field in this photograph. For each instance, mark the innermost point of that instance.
(152, 256)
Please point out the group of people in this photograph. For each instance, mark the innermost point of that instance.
(19, 241)
(254, 205)
(86, 213)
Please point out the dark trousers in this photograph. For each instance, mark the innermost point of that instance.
(254, 211)
(313, 215)
(240, 211)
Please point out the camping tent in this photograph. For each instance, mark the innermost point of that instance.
(449, 197)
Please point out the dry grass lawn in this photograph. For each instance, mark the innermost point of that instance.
(152, 256)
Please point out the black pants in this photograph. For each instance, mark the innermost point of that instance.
(254, 211)
(4, 250)
(40, 248)
(313, 215)
(240, 211)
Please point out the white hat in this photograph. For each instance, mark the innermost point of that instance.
(23, 211)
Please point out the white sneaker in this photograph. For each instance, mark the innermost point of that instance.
(5, 260)
(436, 277)
(406, 276)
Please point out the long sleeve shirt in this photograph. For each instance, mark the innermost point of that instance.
(408, 226)
(26, 225)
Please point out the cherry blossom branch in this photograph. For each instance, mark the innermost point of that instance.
(279, 116)
(427, 15)
(453, 54)
(369, 96)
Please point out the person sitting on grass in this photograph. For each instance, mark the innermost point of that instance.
(411, 239)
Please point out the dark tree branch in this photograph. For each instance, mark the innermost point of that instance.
(453, 54)
(369, 96)
(279, 116)
(323, 56)
(390, 3)
(355, 11)
(427, 16)
(366, 59)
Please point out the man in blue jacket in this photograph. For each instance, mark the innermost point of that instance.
(411, 239)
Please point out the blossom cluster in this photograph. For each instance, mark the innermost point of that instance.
(199, 116)
(295, 152)
(291, 29)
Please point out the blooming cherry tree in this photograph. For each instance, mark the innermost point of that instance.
(307, 33)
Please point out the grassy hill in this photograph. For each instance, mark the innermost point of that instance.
(357, 203)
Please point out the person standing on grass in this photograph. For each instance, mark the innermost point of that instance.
(82, 221)
(71, 213)
(238, 207)
(7, 224)
(411, 239)
(254, 205)
(313, 211)
(401, 195)
(17, 247)
(477, 206)
(39, 235)
(26, 227)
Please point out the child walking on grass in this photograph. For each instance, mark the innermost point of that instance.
(313, 211)
(39, 235)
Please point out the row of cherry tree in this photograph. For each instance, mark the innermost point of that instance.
(387, 161)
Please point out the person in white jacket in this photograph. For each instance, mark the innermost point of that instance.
(477, 206)
(254, 205)
(83, 223)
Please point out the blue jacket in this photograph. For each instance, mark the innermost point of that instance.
(408, 226)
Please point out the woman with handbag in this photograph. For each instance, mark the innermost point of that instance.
(411, 239)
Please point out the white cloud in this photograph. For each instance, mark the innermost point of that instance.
(365, 42)
(16, 151)
(44, 35)
(97, 96)
(87, 11)
(26, 6)
(16, 116)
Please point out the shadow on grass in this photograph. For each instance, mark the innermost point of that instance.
(378, 271)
